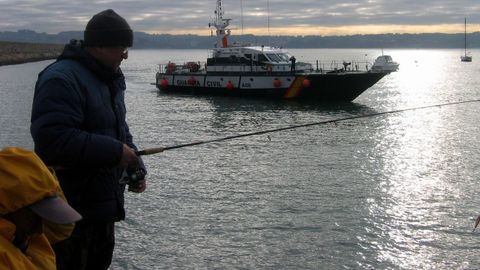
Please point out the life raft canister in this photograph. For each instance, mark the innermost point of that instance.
(171, 67)
(192, 66)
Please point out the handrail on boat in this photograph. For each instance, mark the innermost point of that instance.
(317, 67)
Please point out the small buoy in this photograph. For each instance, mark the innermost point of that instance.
(277, 83)
(306, 83)
(229, 85)
(163, 83)
(192, 81)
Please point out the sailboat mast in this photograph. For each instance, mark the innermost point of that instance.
(465, 57)
(465, 36)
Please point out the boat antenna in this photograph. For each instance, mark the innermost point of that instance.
(241, 13)
(221, 25)
(268, 21)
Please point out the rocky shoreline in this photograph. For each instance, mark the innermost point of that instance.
(12, 53)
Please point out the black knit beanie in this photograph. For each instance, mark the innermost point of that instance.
(108, 29)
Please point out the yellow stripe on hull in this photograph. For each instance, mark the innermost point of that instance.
(295, 88)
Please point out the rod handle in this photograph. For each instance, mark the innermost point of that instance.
(149, 151)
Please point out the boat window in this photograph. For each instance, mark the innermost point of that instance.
(273, 57)
(262, 58)
(248, 56)
(284, 57)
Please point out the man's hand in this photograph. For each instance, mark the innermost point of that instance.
(129, 158)
(138, 187)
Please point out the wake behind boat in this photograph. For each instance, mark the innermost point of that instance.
(263, 71)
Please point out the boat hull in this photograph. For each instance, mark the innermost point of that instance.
(340, 86)
(466, 58)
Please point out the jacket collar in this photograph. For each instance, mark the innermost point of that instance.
(75, 51)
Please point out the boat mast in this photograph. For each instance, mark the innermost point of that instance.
(221, 25)
(241, 11)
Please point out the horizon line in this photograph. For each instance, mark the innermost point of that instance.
(308, 30)
(344, 30)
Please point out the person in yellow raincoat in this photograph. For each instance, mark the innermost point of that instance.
(29, 194)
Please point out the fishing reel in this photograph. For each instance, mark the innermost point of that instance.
(132, 176)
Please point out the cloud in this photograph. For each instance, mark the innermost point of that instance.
(188, 16)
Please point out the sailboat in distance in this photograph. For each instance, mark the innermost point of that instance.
(465, 57)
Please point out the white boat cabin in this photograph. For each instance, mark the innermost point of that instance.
(250, 59)
(385, 63)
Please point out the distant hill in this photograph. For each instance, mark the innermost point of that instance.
(164, 41)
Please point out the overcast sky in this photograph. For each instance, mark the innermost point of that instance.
(275, 17)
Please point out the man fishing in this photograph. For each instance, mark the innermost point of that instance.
(78, 126)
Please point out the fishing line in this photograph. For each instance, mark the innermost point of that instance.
(151, 151)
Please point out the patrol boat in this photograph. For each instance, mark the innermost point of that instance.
(262, 71)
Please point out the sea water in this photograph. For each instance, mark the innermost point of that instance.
(393, 191)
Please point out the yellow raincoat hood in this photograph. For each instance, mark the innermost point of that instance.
(26, 181)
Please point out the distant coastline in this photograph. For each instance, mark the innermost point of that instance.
(12, 53)
(165, 41)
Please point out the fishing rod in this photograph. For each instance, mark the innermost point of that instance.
(151, 151)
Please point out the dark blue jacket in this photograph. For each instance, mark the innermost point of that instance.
(78, 124)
